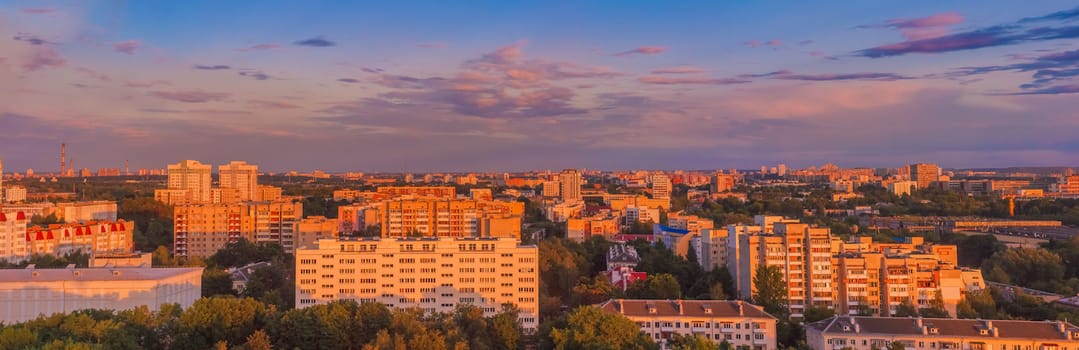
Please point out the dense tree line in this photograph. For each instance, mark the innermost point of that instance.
(245, 323)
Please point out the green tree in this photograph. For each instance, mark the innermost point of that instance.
(906, 309)
(771, 291)
(895, 345)
(690, 342)
(588, 327)
(817, 313)
(936, 307)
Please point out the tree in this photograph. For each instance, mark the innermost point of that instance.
(906, 309)
(664, 286)
(817, 313)
(895, 345)
(258, 341)
(936, 307)
(718, 291)
(690, 342)
(771, 291)
(216, 282)
(588, 327)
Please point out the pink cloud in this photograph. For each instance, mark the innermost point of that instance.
(190, 96)
(937, 20)
(758, 43)
(923, 27)
(643, 50)
(129, 47)
(678, 70)
(666, 80)
(38, 10)
(44, 57)
(260, 47)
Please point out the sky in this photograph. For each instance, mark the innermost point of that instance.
(422, 86)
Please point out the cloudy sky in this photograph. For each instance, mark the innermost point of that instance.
(514, 85)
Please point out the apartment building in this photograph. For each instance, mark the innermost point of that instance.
(13, 246)
(801, 253)
(32, 292)
(854, 277)
(865, 333)
(19, 241)
(432, 273)
(692, 223)
(193, 178)
(743, 325)
(275, 222)
(14, 194)
(446, 192)
(242, 177)
(203, 229)
(924, 174)
(314, 228)
(723, 182)
(82, 211)
(90, 237)
(604, 224)
(569, 185)
(634, 214)
(449, 217)
(661, 187)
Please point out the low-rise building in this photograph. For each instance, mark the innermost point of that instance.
(90, 238)
(621, 260)
(31, 292)
(743, 325)
(865, 333)
(14, 194)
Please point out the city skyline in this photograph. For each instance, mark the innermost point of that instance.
(517, 86)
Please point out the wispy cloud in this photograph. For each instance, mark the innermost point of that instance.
(668, 80)
(922, 27)
(260, 47)
(788, 75)
(212, 67)
(31, 39)
(348, 80)
(1048, 70)
(679, 70)
(318, 41)
(255, 74)
(44, 57)
(1052, 90)
(38, 10)
(1065, 15)
(998, 35)
(643, 50)
(191, 96)
(129, 47)
(758, 43)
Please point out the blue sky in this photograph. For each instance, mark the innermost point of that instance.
(514, 85)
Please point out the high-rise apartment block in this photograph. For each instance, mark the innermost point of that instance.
(203, 229)
(854, 277)
(434, 274)
(189, 182)
(450, 218)
(924, 174)
(661, 187)
(242, 177)
(722, 182)
(570, 183)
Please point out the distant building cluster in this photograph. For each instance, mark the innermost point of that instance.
(856, 277)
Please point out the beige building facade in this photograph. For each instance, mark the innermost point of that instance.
(431, 273)
(866, 333)
(743, 325)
